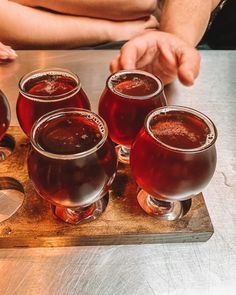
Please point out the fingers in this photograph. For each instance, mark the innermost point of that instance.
(126, 59)
(189, 65)
(6, 52)
(136, 53)
(115, 64)
(177, 58)
(164, 61)
(161, 53)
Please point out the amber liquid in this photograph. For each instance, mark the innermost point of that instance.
(78, 181)
(166, 172)
(4, 115)
(124, 106)
(49, 90)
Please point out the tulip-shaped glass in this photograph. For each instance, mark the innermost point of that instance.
(72, 163)
(172, 159)
(46, 90)
(126, 100)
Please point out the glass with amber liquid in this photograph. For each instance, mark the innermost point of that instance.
(72, 163)
(46, 90)
(126, 100)
(173, 158)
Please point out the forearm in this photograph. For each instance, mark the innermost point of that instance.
(25, 27)
(106, 9)
(187, 19)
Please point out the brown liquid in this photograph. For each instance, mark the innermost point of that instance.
(125, 116)
(165, 172)
(180, 130)
(49, 85)
(135, 84)
(47, 88)
(71, 135)
(75, 181)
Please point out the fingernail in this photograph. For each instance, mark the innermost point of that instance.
(186, 76)
(190, 78)
(12, 52)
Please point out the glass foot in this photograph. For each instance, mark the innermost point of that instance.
(163, 210)
(11, 197)
(82, 215)
(123, 154)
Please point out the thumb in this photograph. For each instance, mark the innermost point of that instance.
(115, 64)
(125, 60)
(189, 65)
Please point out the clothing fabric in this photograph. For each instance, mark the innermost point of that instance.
(107, 45)
(222, 33)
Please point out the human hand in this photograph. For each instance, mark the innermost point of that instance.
(6, 53)
(162, 54)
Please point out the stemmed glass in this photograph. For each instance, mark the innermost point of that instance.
(72, 163)
(5, 116)
(11, 191)
(172, 159)
(126, 100)
(46, 90)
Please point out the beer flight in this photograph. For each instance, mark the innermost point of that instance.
(74, 151)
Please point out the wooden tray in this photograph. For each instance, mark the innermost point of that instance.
(123, 222)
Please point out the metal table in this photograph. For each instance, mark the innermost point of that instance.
(197, 268)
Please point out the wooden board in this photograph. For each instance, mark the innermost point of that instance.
(123, 222)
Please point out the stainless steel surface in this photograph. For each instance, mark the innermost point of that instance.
(92, 68)
(198, 268)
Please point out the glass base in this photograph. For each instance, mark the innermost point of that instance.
(11, 197)
(123, 154)
(83, 214)
(163, 210)
(7, 145)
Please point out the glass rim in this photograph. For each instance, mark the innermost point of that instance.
(119, 73)
(47, 98)
(198, 114)
(58, 113)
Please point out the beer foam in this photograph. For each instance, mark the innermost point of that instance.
(185, 134)
(173, 130)
(52, 86)
(48, 86)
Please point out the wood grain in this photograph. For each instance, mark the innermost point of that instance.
(123, 222)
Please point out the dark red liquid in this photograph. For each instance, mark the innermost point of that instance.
(68, 136)
(50, 85)
(135, 85)
(4, 114)
(51, 92)
(163, 170)
(72, 182)
(125, 115)
(180, 130)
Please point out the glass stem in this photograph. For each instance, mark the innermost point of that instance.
(123, 154)
(163, 206)
(125, 151)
